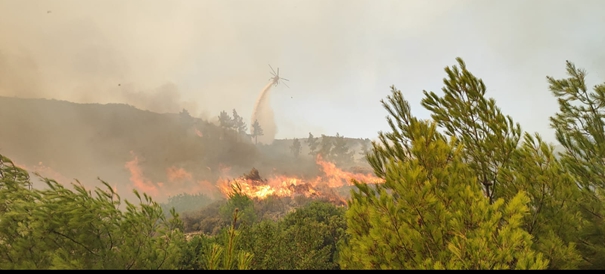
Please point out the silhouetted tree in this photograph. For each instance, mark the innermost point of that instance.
(238, 124)
(325, 147)
(340, 152)
(225, 121)
(312, 143)
(256, 131)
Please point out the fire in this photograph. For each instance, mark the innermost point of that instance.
(255, 187)
(178, 181)
(137, 178)
(178, 174)
(198, 133)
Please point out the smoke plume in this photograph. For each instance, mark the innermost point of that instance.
(264, 114)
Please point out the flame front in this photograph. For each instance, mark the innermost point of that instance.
(282, 186)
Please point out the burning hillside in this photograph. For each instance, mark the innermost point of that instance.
(325, 186)
(252, 184)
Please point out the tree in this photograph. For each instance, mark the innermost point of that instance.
(312, 143)
(340, 152)
(295, 148)
(216, 253)
(489, 136)
(57, 228)
(224, 256)
(238, 123)
(305, 239)
(225, 121)
(256, 131)
(505, 163)
(430, 213)
(579, 126)
(240, 201)
(325, 147)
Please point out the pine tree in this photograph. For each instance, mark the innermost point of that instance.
(325, 147)
(431, 214)
(505, 163)
(580, 128)
(57, 228)
(463, 111)
(340, 152)
(238, 124)
(225, 121)
(312, 143)
(256, 131)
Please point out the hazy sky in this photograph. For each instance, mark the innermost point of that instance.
(340, 56)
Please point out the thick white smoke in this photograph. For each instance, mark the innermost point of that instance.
(264, 114)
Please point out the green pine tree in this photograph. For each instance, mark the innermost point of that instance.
(505, 163)
(580, 128)
(59, 228)
(431, 214)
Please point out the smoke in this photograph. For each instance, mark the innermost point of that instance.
(263, 113)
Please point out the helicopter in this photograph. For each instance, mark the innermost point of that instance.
(276, 77)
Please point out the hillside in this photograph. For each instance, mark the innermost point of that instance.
(127, 147)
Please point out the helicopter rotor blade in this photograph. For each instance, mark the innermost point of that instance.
(272, 69)
(286, 85)
(284, 79)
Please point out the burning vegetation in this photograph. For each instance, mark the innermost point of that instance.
(325, 186)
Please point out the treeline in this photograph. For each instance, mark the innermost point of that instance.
(335, 149)
(466, 189)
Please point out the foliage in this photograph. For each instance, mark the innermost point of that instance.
(489, 137)
(214, 253)
(340, 153)
(238, 123)
(505, 163)
(195, 252)
(257, 130)
(580, 128)
(304, 239)
(502, 162)
(185, 202)
(225, 121)
(240, 201)
(225, 256)
(207, 220)
(312, 143)
(325, 146)
(431, 214)
(57, 228)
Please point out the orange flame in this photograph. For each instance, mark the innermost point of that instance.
(178, 174)
(291, 186)
(136, 177)
(179, 181)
